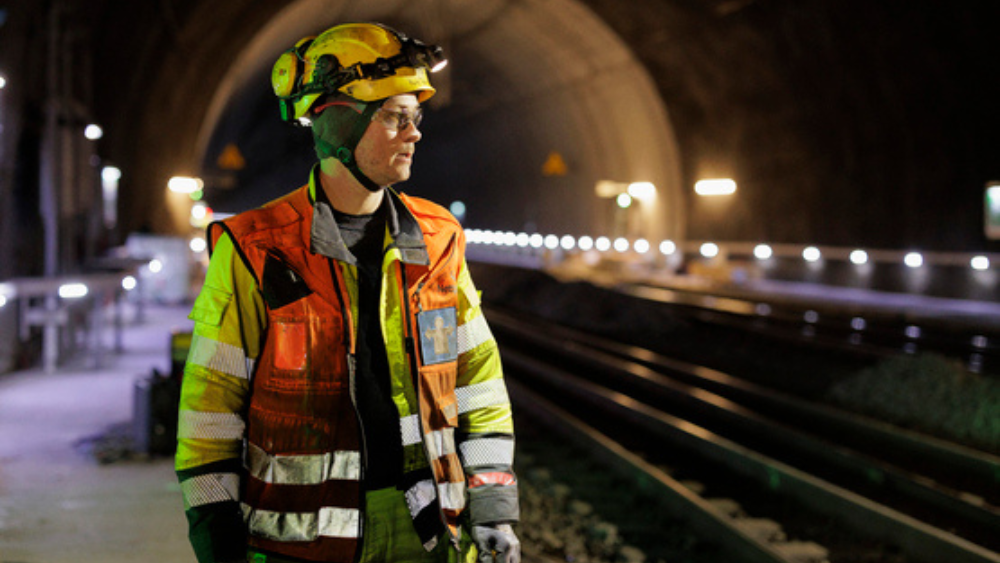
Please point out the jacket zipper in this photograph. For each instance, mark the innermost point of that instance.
(352, 371)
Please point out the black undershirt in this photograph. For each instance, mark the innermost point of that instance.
(364, 235)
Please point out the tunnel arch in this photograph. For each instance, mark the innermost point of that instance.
(529, 79)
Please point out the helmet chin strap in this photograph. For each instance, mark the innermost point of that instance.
(345, 152)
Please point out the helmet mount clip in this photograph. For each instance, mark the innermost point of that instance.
(344, 155)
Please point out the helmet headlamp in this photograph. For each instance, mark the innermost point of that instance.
(420, 55)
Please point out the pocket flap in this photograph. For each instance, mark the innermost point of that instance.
(210, 306)
(281, 284)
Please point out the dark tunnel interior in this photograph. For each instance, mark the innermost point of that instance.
(842, 123)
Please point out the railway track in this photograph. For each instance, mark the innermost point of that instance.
(847, 328)
(894, 492)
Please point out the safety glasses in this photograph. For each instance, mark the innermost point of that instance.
(398, 120)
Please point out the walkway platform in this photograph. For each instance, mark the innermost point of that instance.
(57, 503)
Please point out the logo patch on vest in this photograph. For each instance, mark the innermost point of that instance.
(438, 335)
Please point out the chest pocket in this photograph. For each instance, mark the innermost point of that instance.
(282, 286)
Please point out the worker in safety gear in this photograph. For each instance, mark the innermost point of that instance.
(343, 399)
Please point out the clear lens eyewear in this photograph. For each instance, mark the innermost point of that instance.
(398, 120)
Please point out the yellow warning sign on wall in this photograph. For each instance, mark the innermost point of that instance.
(554, 165)
(231, 158)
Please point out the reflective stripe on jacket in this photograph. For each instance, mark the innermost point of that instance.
(272, 363)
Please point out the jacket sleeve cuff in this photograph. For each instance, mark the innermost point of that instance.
(217, 532)
(493, 505)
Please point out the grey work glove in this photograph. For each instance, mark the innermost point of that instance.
(497, 543)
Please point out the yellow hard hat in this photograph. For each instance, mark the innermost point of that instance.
(365, 61)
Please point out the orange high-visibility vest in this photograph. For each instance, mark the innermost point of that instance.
(302, 428)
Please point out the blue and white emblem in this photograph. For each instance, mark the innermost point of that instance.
(438, 335)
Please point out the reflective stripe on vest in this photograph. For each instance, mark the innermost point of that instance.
(332, 522)
(420, 496)
(303, 469)
(452, 495)
(420, 499)
(440, 443)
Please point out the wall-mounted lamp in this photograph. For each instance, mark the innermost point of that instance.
(715, 187)
(185, 185)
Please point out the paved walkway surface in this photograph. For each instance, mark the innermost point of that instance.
(59, 505)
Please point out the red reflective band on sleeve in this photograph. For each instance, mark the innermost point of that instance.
(496, 478)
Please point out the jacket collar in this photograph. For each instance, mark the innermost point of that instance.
(325, 236)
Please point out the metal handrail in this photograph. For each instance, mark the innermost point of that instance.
(57, 295)
(27, 287)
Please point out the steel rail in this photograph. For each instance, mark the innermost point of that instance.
(705, 519)
(920, 541)
(954, 464)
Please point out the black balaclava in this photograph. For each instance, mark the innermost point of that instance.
(338, 129)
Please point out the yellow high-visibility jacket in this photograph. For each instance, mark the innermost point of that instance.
(270, 452)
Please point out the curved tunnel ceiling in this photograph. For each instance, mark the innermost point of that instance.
(843, 124)
(528, 78)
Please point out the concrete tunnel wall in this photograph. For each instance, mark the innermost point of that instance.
(526, 79)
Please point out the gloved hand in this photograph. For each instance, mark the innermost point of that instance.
(497, 544)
